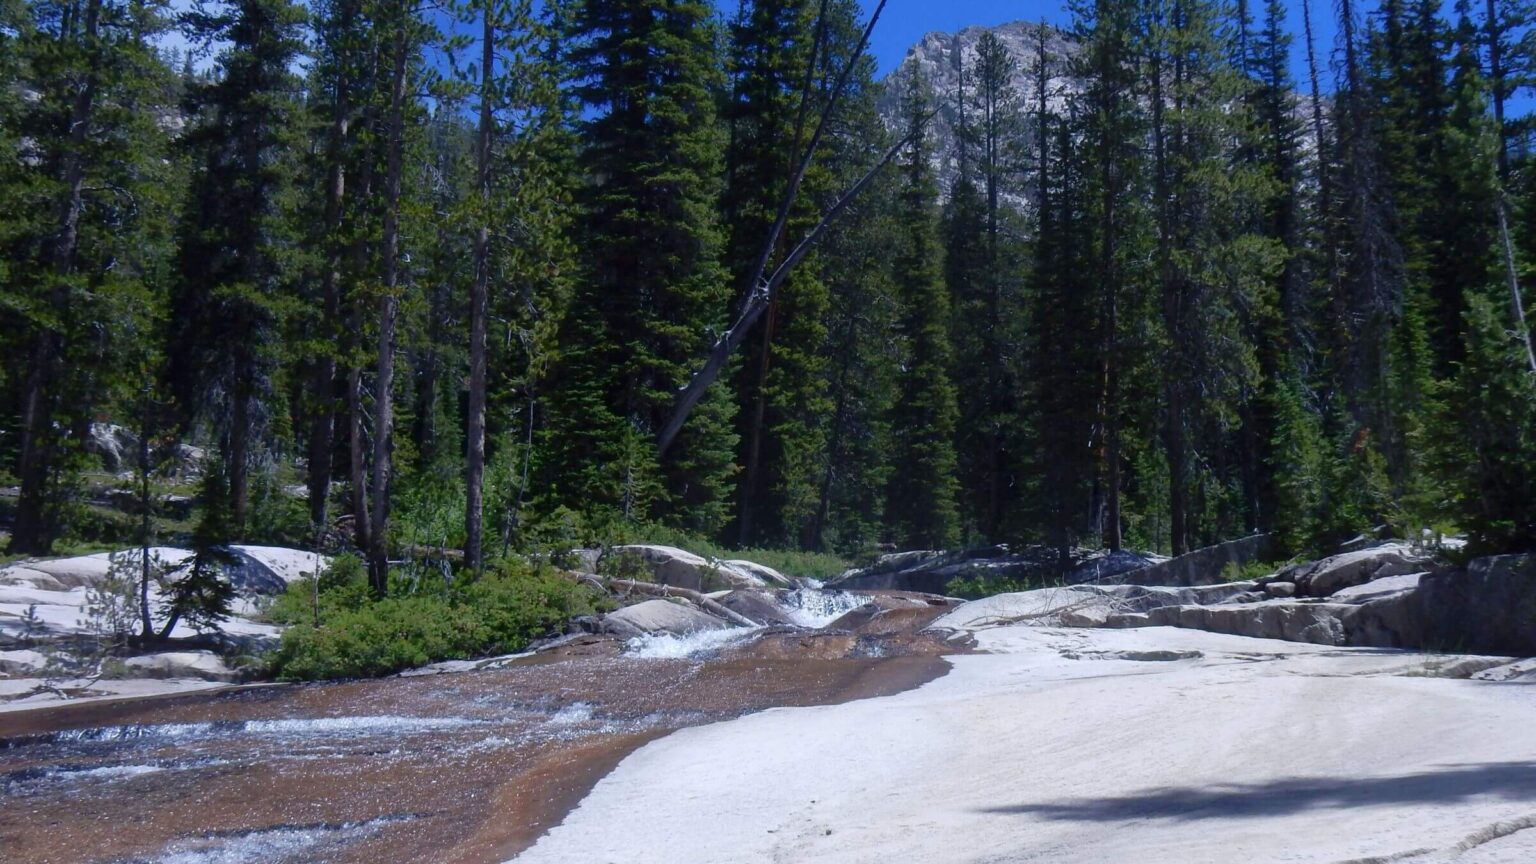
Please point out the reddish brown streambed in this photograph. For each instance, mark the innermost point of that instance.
(468, 767)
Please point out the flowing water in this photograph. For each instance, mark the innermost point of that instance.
(467, 767)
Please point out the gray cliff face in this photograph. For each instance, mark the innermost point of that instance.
(936, 55)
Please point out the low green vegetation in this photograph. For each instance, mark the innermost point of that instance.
(1234, 572)
(337, 629)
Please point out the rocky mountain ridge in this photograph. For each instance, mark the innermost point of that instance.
(942, 58)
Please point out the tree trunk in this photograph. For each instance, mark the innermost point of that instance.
(1517, 306)
(146, 526)
(752, 478)
(322, 433)
(358, 464)
(479, 300)
(238, 458)
(1497, 85)
(383, 397)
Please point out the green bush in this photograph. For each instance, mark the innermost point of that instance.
(975, 587)
(361, 637)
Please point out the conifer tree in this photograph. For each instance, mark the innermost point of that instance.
(921, 509)
(84, 236)
(236, 251)
(983, 266)
(779, 56)
(1112, 126)
(653, 288)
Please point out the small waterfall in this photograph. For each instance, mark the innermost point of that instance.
(815, 608)
(689, 646)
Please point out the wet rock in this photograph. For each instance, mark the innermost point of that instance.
(659, 616)
(1324, 578)
(761, 607)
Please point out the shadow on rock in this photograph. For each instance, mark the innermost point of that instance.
(1508, 781)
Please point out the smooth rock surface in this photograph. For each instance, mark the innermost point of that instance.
(1074, 747)
(1325, 577)
(668, 565)
(661, 616)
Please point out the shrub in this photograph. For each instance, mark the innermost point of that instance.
(359, 637)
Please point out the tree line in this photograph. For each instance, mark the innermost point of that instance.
(451, 270)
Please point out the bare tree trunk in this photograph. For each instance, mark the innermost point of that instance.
(383, 398)
(238, 459)
(31, 532)
(752, 478)
(146, 525)
(358, 463)
(760, 291)
(322, 433)
(479, 299)
(1518, 307)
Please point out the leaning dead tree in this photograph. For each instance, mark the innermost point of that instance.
(1521, 328)
(759, 288)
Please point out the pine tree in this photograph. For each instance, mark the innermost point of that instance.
(235, 255)
(983, 267)
(854, 469)
(921, 502)
(779, 55)
(1112, 127)
(1485, 449)
(653, 288)
(84, 236)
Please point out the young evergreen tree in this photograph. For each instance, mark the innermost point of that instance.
(921, 502)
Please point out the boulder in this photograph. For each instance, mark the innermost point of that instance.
(767, 575)
(116, 446)
(1324, 578)
(660, 616)
(931, 572)
(1113, 567)
(1316, 623)
(90, 570)
(758, 606)
(668, 565)
(204, 665)
(270, 569)
(1204, 566)
(1086, 605)
(1488, 609)
(22, 662)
